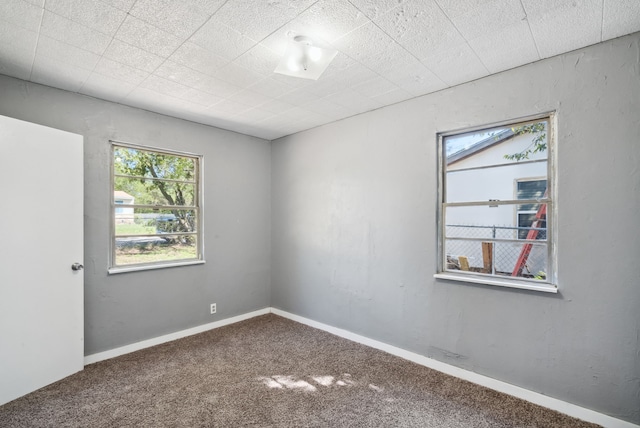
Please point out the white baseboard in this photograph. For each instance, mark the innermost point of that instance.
(112, 353)
(497, 385)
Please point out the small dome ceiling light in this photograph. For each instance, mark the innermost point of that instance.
(303, 59)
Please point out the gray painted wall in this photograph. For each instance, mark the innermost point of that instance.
(130, 307)
(354, 231)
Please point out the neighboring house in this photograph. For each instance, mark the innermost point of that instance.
(478, 171)
(123, 213)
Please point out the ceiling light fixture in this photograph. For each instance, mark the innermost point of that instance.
(303, 59)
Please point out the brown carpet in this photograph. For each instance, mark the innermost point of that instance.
(269, 372)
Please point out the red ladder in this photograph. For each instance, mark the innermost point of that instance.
(541, 216)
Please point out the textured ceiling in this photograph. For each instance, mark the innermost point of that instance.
(212, 61)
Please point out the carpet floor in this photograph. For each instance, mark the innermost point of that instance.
(269, 372)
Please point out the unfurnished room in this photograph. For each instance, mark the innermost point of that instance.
(320, 213)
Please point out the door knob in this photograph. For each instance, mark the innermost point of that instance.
(77, 266)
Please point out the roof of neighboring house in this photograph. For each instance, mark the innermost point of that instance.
(119, 194)
(498, 138)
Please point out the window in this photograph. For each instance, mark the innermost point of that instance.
(489, 233)
(529, 221)
(155, 209)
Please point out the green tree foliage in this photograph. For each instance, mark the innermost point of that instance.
(161, 180)
(538, 142)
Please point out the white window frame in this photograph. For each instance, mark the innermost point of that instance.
(550, 284)
(198, 208)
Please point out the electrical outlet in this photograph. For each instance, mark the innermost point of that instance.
(213, 308)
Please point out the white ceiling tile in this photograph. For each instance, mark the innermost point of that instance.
(366, 41)
(375, 8)
(179, 17)
(194, 79)
(415, 79)
(455, 64)
(91, 13)
(375, 86)
(179, 73)
(106, 88)
(327, 86)
(276, 106)
(516, 47)
(393, 56)
(120, 4)
(218, 113)
(491, 17)
(327, 108)
(257, 20)
(217, 87)
(54, 72)
(337, 80)
(303, 115)
(271, 88)
(162, 103)
(298, 97)
(118, 71)
(165, 86)
(352, 100)
(39, 3)
(17, 50)
(455, 8)
(414, 18)
(422, 47)
(132, 56)
(329, 20)
(293, 82)
(564, 25)
(233, 107)
(147, 37)
(202, 98)
(198, 58)
(620, 17)
(222, 40)
(237, 75)
(392, 97)
(256, 115)
(63, 29)
(259, 59)
(21, 13)
(251, 98)
(70, 55)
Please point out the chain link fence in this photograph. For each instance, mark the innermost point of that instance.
(496, 250)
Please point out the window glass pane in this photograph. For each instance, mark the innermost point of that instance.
(530, 189)
(132, 250)
(482, 165)
(143, 163)
(528, 230)
(144, 221)
(497, 258)
(491, 223)
(491, 183)
(155, 192)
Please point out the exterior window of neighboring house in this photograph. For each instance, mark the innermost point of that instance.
(156, 208)
(487, 232)
(528, 215)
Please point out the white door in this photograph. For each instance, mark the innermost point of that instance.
(41, 236)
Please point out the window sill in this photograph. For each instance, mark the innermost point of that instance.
(544, 287)
(138, 268)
